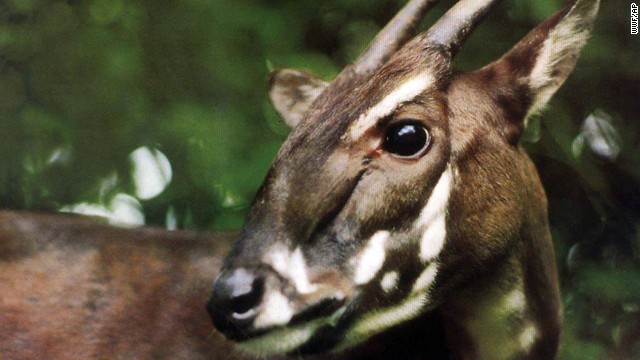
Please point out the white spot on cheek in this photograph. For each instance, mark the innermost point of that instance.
(389, 281)
(405, 92)
(432, 217)
(426, 278)
(291, 266)
(372, 258)
(527, 337)
(276, 311)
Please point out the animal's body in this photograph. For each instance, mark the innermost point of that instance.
(72, 288)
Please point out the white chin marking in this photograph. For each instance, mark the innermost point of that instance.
(275, 311)
(290, 265)
(403, 93)
(389, 281)
(378, 320)
(433, 217)
(282, 341)
(371, 259)
(288, 339)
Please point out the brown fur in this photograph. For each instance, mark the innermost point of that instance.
(71, 288)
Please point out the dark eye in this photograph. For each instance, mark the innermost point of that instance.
(405, 139)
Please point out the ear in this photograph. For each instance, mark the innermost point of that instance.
(543, 60)
(292, 92)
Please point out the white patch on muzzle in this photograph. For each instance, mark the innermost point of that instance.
(275, 311)
(371, 259)
(290, 265)
(433, 217)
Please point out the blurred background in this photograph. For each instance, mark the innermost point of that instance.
(155, 112)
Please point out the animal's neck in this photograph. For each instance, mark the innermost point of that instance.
(491, 319)
(497, 318)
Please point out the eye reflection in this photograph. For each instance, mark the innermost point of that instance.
(406, 139)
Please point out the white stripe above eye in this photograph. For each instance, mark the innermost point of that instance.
(405, 92)
(432, 217)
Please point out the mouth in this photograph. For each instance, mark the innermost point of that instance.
(242, 327)
(322, 308)
(299, 331)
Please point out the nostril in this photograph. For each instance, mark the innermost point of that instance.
(236, 295)
(244, 302)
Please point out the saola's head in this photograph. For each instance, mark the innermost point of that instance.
(400, 181)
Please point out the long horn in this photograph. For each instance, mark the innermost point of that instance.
(393, 36)
(458, 23)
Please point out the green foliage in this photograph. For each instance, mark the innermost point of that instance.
(85, 83)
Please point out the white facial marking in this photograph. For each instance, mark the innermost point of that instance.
(569, 36)
(389, 281)
(432, 217)
(515, 301)
(381, 319)
(290, 265)
(298, 272)
(405, 92)
(276, 311)
(283, 340)
(372, 258)
(528, 337)
(500, 327)
(426, 278)
(287, 339)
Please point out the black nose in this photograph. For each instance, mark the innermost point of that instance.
(236, 295)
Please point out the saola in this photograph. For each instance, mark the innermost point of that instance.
(402, 206)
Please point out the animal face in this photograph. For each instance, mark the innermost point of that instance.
(397, 185)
